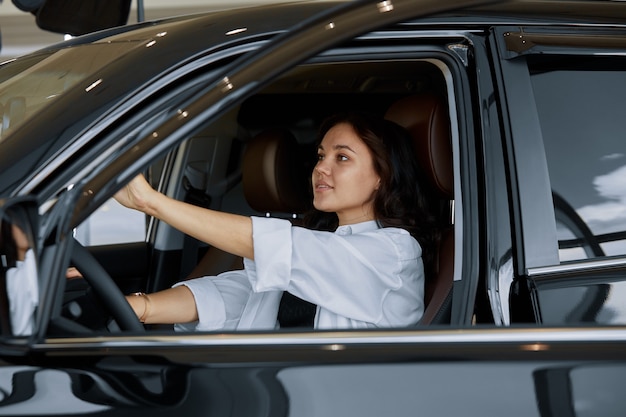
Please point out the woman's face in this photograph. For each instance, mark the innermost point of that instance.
(21, 241)
(344, 179)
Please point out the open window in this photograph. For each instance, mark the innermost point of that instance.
(208, 135)
(224, 166)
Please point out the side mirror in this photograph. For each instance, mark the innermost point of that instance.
(19, 278)
(27, 5)
(78, 17)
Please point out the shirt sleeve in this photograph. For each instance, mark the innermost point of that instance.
(220, 301)
(227, 302)
(23, 294)
(350, 275)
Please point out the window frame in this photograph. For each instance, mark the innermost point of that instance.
(535, 220)
(431, 51)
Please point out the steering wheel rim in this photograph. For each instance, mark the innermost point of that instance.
(104, 286)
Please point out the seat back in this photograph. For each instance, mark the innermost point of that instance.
(427, 121)
(275, 173)
(275, 176)
(274, 181)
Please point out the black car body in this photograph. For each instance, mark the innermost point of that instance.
(531, 320)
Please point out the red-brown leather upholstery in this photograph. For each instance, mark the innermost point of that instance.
(427, 120)
(276, 179)
(275, 174)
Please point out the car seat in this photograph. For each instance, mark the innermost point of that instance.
(275, 177)
(275, 182)
(276, 172)
(426, 118)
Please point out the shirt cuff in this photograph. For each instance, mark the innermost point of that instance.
(209, 304)
(272, 254)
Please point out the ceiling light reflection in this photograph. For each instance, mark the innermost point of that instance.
(235, 31)
(535, 347)
(226, 84)
(385, 6)
(334, 347)
(93, 85)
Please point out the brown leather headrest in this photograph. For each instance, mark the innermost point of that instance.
(427, 120)
(275, 177)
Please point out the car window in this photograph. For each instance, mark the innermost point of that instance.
(209, 168)
(294, 106)
(111, 224)
(581, 110)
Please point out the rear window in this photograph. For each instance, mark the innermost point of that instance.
(582, 110)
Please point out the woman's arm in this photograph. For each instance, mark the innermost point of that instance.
(174, 305)
(230, 232)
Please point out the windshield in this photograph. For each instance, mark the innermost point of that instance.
(34, 81)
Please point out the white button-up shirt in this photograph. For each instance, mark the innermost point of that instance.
(23, 294)
(360, 276)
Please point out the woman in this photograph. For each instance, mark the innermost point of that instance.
(367, 272)
(18, 271)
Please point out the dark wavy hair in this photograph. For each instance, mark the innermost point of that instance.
(8, 246)
(402, 198)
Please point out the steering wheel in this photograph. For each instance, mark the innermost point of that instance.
(104, 286)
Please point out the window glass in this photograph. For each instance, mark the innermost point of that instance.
(114, 224)
(582, 111)
(111, 224)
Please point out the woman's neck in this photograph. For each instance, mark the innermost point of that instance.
(353, 220)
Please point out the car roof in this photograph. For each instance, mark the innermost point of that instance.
(190, 37)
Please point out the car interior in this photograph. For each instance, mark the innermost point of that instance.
(257, 160)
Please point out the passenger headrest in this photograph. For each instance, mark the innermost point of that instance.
(276, 173)
(426, 118)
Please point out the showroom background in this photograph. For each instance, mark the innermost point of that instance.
(20, 34)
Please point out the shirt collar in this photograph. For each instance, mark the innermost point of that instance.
(362, 227)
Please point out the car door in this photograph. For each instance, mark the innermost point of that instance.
(565, 88)
(269, 373)
(242, 79)
(170, 125)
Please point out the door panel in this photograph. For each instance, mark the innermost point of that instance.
(137, 386)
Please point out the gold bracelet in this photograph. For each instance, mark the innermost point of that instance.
(146, 308)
